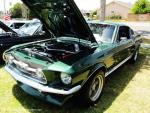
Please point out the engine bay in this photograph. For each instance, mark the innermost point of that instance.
(53, 50)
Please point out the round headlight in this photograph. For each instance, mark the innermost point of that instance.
(39, 73)
(66, 79)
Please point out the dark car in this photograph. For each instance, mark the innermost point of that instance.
(76, 60)
(9, 38)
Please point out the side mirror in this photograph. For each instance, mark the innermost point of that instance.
(122, 39)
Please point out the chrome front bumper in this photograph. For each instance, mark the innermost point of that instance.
(42, 88)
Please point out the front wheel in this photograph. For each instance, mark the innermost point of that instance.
(94, 88)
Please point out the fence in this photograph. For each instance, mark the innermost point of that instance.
(138, 17)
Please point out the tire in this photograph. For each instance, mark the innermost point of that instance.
(135, 56)
(93, 89)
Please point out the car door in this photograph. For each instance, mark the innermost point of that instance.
(124, 45)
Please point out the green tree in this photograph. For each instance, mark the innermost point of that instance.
(16, 11)
(141, 7)
(31, 14)
(94, 15)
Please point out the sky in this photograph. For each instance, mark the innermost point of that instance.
(82, 4)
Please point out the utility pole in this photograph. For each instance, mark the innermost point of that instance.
(102, 10)
(4, 7)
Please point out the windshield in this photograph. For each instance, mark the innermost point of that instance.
(102, 32)
(29, 28)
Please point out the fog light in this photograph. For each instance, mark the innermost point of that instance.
(66, 79)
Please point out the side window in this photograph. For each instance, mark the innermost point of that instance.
(12, 26)
(124, 33)
(18, 25)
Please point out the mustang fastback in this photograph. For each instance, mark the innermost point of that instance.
(78, 57)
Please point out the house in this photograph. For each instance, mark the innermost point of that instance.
(118, 8)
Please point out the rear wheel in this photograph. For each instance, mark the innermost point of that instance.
(135, 56)
(94, 88)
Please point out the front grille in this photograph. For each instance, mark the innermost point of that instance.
(28, 71)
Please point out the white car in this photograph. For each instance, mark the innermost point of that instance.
(34, 27)
(16, 24)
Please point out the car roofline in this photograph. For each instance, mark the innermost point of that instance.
(107, 22)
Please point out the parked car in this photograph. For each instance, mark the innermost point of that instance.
(76, 60)
(32, 28)
(16, 24)
(9, 38)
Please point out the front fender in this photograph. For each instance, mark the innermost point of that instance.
(95, 68)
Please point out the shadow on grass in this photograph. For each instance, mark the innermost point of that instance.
(114, 86)
(1, 65)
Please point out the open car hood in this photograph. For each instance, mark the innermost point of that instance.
(6, 28)
(61, 18)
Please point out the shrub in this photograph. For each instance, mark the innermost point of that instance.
(16, 11)
(115, 17)
(141, 7)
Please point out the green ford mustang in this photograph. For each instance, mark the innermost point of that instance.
(77, 57)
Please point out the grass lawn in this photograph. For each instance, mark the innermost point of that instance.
(127, 90)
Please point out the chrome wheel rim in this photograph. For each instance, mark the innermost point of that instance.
(136, 55)
(96, 88)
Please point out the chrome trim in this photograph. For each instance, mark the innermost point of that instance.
(25, 68)
(39, 86)
(116, 67)
(115, 34)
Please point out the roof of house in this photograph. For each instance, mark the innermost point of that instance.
(128, 5)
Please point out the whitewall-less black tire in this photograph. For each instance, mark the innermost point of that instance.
(94, 87)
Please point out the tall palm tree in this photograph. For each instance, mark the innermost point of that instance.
(102, 9)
